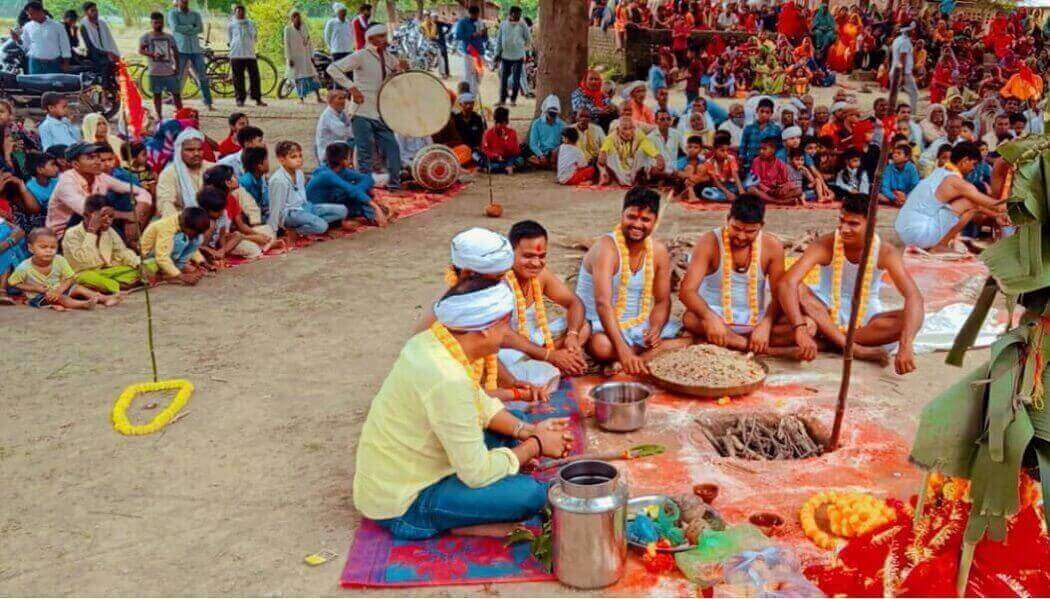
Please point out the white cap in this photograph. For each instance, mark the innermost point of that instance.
(377, 29)
(482, 251)
(475, 311)
(791, 132)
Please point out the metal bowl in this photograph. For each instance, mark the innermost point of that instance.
(637, 504)
(620, 406)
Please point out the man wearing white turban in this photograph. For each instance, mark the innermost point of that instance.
(337, 34)
(182, 178)
(436, 452)
(370, 67)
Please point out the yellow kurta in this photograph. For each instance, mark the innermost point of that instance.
(427, 422)
(86, 251)
(158, 239)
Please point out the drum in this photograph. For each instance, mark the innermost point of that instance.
(414, 103)
(435, 167)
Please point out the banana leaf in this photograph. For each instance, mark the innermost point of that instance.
(1028, 201)
(1008, 258)
(967, 335)
(1020, 151)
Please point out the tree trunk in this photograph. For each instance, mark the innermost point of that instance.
(561, 49)
(391, 14)
(419, 9)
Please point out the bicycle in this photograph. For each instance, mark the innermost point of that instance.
(219, 71)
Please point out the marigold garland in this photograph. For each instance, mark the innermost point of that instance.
(487, 366)
(837, 260)
(849, 515)
(755, 260)
(625, 278)
(120, 408)
(451, 278)
(520, 308)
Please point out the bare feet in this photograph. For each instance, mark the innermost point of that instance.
(877, 355)
(112, 300)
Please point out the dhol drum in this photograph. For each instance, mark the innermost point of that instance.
(435, 167)
(414, 103)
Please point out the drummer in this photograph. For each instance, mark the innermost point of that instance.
(737, 265)
(371, 66)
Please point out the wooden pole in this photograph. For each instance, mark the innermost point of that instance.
(865, 256)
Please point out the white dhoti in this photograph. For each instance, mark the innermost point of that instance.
(534, 372)
(626, 174)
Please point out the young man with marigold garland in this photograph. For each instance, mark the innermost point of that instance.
(738, 266)
(630, 315)
(543, 347)
(481, 253)
(437, 453)
(838, 255)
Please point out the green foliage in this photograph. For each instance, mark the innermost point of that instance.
(539, 545)
(271, 17)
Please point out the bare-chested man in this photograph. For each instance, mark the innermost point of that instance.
(942, 204)
(625, 285)
(838, 256)
(738, 266)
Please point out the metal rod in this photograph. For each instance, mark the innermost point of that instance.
(865, 256)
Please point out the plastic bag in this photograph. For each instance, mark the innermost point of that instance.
(703, 564)
(771, 572)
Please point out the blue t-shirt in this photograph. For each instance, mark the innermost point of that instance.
(42, 193)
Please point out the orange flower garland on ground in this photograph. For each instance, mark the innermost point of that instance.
(838, 258)
(848, 515)
(520, 308)
(752, 279)
(625, 278)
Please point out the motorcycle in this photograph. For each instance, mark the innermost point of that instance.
(321, 60)
(86, 89)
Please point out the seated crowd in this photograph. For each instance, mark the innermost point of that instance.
(87, 215)
(490, 339)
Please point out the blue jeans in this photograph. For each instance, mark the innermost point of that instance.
(313, 219)
(449, 504)
(183, 248)
(197, 61)
(368, 131)
(717, 195)
(44, 67)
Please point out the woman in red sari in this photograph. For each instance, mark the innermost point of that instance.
(804, 52)
(945, 75)
(840, 55)
(792, 22)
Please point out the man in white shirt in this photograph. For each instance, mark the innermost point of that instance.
(45, 42)
(734, 124)
(333, 125)
(668, 142)
(242, 33)
(102, 49)
(371, 67)
(903, 60)
(337, 34)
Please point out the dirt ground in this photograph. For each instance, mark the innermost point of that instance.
(286, 355)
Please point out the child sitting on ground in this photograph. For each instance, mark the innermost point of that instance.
(799, 175)
(289, 208)
(573, 168)
(173, 242)
(723, 170)
(769, 177)
(500, 143)
(136, 158)
(229, 145)
(12, 253)
(690, 169)
(255, 182)
(852, 178)
(219, 242)
(44, 172)
(48, 280)
(98, 255)
(255, 242)
(899, 178)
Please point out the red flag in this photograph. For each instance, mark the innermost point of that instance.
(130, 101)
(479, 62)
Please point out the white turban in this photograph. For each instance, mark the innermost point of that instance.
(791, 132)
(466, 97)
(187, 189)
(377, 29)
(482, 251)
(837, 106)
(338, 6)
(551, 102)
(630, 87)
(475, 311)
